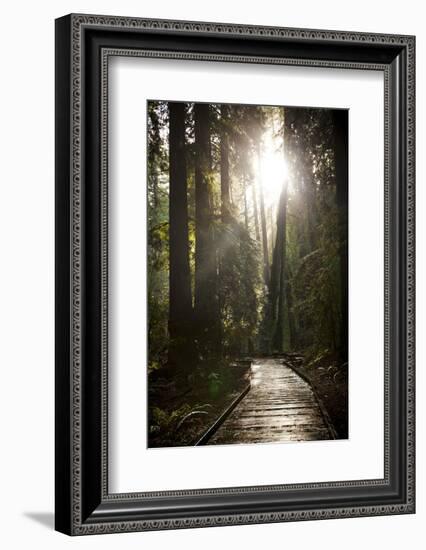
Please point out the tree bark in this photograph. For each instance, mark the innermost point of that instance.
(311, 214)
(278, 279)
(180, 298)
(266, 270)
(206, 303)
(255, 211)
(245, 204)
(272, 232)
(224, 166)
(279, 274)
(291, 316)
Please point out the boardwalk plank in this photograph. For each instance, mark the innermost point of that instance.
(280, 406)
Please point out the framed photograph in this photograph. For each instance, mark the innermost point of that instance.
(234, 274)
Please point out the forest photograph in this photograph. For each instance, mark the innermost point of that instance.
(247, 270)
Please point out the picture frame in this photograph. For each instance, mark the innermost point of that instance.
(84, 504)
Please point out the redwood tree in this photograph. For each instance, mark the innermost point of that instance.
(180, 299)
(206, 302)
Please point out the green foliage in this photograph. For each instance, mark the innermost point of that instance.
(165, 424)
(241, 288)
(315, 234)
(246, 309)
(158, 237)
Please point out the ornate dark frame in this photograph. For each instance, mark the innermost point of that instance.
(83, 46)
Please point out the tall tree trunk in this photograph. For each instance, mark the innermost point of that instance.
(272, 232)
(224, 166)
(340, 122)
(180, 298)
(255, 212)
(266, 270)
(274, 293)
(225, 242)
(206, 303)
(280, 257)
(291, 316)
(280, 289)
(311, 212)
(245, 203)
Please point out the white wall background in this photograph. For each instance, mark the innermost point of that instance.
(26, 289)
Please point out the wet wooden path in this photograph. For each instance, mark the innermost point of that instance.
(280, 406)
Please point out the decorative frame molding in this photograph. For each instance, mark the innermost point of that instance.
(84, 44)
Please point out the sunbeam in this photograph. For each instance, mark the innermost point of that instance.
(271, 168)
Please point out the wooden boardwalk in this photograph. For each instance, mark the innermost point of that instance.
(280, 406)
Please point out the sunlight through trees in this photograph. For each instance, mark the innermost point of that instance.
(247, 235)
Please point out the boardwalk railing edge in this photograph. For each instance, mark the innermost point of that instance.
(324, 412)
(219, 421)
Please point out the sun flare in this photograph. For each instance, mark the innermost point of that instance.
(271, 169)
(273, 175)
